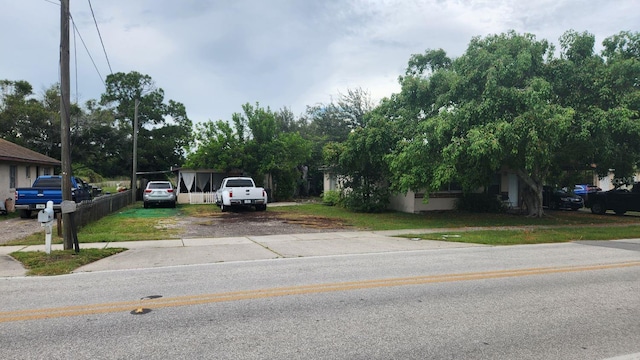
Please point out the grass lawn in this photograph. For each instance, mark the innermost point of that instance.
(452, 219)
(534, 235)
(61, 261)
(129, 224)
(136, 223)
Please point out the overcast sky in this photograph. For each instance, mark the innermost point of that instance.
(214, 56)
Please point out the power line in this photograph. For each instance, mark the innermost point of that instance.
(76, 31)
(75, 28)
(100, 36)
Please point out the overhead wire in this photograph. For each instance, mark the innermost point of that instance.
(75, 29)
(87, 49)
(100, 36)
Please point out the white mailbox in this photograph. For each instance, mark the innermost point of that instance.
(67, 207)
(45, 215)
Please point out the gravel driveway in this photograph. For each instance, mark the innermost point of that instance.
(228, 224)
(16, 228)
(252, 223)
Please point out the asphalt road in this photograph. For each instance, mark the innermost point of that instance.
(554, 301)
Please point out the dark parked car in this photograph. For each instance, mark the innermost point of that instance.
(619, 200)
(585, 191)
(556, 199)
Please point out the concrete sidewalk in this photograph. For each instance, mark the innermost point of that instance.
(159, 253)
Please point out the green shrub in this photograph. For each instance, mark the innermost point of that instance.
(331, 198)
(480, 203)
(373, 201)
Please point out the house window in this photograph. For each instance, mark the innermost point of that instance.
(28, 172)
(12, 176)
(452, 186)
(332, 182)
(46, 171)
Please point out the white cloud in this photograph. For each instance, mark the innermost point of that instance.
(213, 56)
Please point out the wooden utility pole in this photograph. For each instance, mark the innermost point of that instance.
(65, 108)
(134, 180)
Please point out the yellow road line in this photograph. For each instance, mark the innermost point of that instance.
(89, 309)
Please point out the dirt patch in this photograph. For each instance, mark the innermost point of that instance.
(252, 223)
(16, 228)
(229, 224)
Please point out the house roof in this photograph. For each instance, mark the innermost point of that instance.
(13, 152)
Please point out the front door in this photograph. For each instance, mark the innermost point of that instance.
(513, 190)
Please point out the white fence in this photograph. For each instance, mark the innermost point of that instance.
(198, 198)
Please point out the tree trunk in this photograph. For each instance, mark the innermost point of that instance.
(531, 195)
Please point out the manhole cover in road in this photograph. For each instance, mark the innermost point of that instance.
(142, 310)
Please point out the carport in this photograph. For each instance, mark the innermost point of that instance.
(198, 186)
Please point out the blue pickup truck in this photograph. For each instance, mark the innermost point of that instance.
(48, 188)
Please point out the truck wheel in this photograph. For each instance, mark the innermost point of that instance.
(25, 214)
(261, 207)
(598, 208)
(620, 212)
(223, 208)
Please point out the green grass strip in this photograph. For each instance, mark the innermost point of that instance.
(533, 236)
(60, 261)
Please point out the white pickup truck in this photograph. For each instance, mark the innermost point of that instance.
(240, 191)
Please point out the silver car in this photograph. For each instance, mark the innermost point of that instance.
(159, 193)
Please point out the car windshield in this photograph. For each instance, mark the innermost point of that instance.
(164, 185)
(54, 182)
(239, 183)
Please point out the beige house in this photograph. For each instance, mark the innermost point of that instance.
(610, 181)
(505, 185)
(19, 167)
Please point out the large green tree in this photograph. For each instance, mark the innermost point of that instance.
(491, 109)
(258, 141)
(360, 160)
(218, 146)
(164, 127)
(27, 120)
(97, 143)
(603, 91)
(617, 122)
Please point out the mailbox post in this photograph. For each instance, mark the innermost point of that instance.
(45, 217)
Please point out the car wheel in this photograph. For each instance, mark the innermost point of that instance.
(598, 208)
(146, 205)
(620, 212)
(173, 204)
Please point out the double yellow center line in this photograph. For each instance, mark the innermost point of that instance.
(90, 309)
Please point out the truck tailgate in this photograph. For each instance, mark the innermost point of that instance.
(247, 193)
(37, 198)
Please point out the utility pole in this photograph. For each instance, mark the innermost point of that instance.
(134, 179)
(65, 108)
